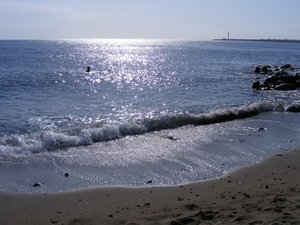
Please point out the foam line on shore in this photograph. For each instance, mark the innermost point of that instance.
(49, 140)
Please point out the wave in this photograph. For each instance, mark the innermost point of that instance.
(51, 140)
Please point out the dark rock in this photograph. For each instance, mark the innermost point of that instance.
(281, 73)
(286, 66)
(53, 221)
(257, 69)
(256, 85)
(288, 79)
(271, 80)
(66, 174)
(246, 195)
(281, 80)
(269, 83)
(149, 182)
(285, 87)
(265, 69)
(293, 108)
(170, 137)
(37, 184)
(261, 129)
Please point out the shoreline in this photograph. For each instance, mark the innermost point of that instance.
(210, 152)
(261, 40)
(263, 193)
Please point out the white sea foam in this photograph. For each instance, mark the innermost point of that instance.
(50, 140)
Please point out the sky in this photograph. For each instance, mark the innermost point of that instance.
(149, 19)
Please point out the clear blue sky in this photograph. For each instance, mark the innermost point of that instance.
(152, 19)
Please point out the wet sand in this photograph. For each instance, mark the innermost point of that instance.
(265, 193)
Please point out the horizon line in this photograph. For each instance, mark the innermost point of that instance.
(150, 39)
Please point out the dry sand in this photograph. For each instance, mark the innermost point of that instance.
(266, 193)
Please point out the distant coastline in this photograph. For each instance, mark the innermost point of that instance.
(262, 40)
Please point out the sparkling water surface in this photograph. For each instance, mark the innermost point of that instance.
(44, 84)
(50, 105)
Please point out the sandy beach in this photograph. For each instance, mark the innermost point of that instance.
(265, 193)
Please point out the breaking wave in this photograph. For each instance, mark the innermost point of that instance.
(51, 140)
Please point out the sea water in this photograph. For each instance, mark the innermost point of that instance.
(163, 111)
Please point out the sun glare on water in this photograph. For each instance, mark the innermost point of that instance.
(132, 63)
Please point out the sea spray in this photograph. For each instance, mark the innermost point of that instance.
(51, 140)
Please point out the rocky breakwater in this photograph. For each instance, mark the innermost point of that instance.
(278, 78)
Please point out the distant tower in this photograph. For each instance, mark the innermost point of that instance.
(228, 35)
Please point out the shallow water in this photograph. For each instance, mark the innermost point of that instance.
(167, 157)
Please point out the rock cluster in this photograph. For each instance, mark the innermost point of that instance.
(280, 78)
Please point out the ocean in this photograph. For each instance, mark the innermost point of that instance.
(149, 112)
